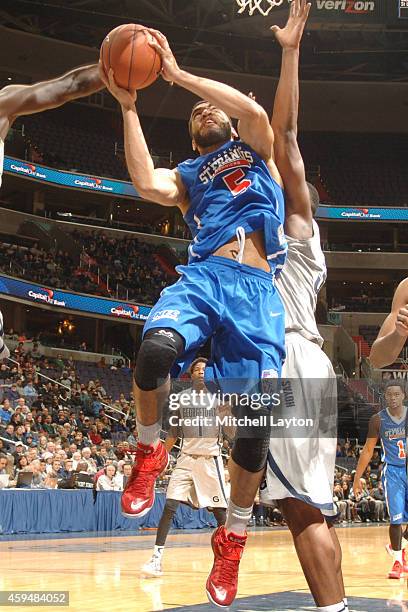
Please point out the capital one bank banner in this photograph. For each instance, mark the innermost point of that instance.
(56, 299)
(72, 180)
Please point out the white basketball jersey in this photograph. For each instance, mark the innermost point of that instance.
(198, 427)
(301, 279)
(1, 158)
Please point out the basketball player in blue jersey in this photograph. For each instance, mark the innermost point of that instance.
(17, 100)
(232, 199)
(389, 425)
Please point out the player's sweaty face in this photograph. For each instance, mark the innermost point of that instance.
(209, 125)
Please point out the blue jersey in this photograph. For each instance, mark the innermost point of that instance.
(393, 438)
(230, 188)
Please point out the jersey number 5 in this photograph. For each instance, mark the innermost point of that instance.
(236, 181)
(401, 446)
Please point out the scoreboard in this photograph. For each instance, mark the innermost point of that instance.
(403, 9)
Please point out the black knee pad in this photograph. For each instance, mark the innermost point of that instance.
(159, 350)
(250, 453)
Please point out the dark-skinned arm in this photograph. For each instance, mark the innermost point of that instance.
(17, 100)
(288, 158)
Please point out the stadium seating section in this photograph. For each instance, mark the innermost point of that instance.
(352, 169)
(123, 268)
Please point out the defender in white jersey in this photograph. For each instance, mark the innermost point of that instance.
(17, 100)
(303, 467)
(198, 478)
(300, 469)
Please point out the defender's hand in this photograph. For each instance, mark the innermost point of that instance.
(290, 36)
(170, 69)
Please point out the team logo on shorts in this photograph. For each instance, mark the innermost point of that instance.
(268, 381)
(166, 314)
(269, 374)
(167, 334)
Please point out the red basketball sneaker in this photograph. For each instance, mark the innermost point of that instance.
(138, 495)
(397, 571)
(222, 583)
(405, 561)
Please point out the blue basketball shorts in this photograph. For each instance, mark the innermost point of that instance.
(396, 493)
(237, 306)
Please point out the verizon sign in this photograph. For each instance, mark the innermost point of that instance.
(353, 7)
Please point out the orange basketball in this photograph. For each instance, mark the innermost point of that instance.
(127, 51)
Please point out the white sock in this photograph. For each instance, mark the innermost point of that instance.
(237, 518)
(339, 607)
(158, 551)
(346, 604)
(397, 554)
(149, 434)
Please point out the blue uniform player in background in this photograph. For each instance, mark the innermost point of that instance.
(389, 425)
(231, 196)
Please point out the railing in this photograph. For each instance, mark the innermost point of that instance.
(57, 382)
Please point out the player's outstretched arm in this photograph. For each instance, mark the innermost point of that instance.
(288, 158)
(367, 452)
(158, 185)
(254, 123)
(394, 331)
(16, 100)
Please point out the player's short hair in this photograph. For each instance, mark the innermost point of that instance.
(190, 121)
(395, 383)
(197, 361)
(314, 197)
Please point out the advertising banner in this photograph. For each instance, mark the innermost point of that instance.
(60, 300)
(350, 11)
(123, 189)
(71, 180)
(362, 214)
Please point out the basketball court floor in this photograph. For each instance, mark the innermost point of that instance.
(101, 573)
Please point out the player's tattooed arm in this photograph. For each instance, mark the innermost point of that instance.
(367, 453)
(158, 185)
(288, 157)
(394, 331)
(16, 100)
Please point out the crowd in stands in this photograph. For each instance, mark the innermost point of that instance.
(132, 265)
(369, 507)
(69, 434)
(54, 267)
(56, 427)
(119, 268)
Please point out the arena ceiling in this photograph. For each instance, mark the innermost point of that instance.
(367, 46)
